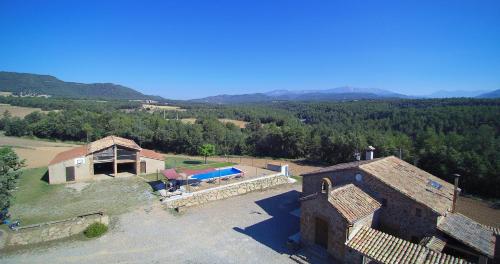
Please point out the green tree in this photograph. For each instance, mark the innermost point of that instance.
(87, 128)
(9, 173)
(207, 150)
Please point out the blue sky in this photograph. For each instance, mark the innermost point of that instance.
(189, 49)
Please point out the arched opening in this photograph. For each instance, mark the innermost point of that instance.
(326, 185)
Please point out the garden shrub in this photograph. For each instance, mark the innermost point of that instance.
(95, 230)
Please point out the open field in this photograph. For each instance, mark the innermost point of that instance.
(478, 210)
(37, 153)
(173, 161)
(36, 201)
(162, 107)
(238, 123)
(19, 111)
(251, 228)
(297, 167)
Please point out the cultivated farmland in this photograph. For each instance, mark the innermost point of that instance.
(238, 123)
(37, 153)
(19, 111)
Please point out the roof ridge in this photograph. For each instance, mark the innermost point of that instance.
(345, 186)
(346, 165)
(386, 248)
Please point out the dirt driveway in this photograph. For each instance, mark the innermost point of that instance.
(252, 228)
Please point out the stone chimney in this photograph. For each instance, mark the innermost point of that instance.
(369, 153)
(455, 193)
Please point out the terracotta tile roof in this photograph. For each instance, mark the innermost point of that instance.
(384, 248)
(441, 258)
(434, 243)
(102, 144)
(111, 141)
(147, 153)
(411, 181)
(352, 203)
(69, 154)
(468, 232)
(495, 230)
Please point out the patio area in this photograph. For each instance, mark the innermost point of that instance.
(249, 172)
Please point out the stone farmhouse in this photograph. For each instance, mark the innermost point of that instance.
(109, 156)
(386, 210)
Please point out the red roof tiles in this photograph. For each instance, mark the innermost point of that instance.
(69, 154)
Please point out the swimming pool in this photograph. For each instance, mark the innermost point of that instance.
(216, 174)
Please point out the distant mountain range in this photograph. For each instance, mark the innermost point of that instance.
(35, 84)
(455, 94)
(334, 94)
(492, 94)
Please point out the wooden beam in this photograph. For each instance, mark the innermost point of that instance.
(137, 163)
(115, 165)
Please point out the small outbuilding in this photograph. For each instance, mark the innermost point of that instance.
(112, 156)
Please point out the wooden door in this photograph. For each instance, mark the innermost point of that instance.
(143, 167)
(70, 173)
(321, 233)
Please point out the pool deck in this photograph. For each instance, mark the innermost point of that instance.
(250, 173)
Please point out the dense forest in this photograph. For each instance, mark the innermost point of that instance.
(36, 84)
(440, 136)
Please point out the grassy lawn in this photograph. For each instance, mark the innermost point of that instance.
(195, 164)
(210, 165)
(298, 178)
(36, 201)
(174, 162)
(153, 177)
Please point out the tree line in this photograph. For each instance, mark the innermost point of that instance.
(440, 136)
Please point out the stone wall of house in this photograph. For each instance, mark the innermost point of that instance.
(51, 230)
(370, 220)
(226, 191)
(398, 217)
(319, 207)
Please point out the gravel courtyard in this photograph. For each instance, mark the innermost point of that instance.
(245, 229)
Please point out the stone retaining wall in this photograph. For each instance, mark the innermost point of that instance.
(225, 191)
(52, 230)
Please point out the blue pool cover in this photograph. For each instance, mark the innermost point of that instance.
(216, 174)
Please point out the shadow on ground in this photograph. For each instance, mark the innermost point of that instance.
(192, 162)
(45, 177)
(274, 231)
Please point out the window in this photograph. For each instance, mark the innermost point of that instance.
(326, 185)
(383, 201)
(359, 177)
(418, 212)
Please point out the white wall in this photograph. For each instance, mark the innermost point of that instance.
(153, 165)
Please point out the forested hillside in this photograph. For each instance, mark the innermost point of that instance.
(440, 136)
(35, 84)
